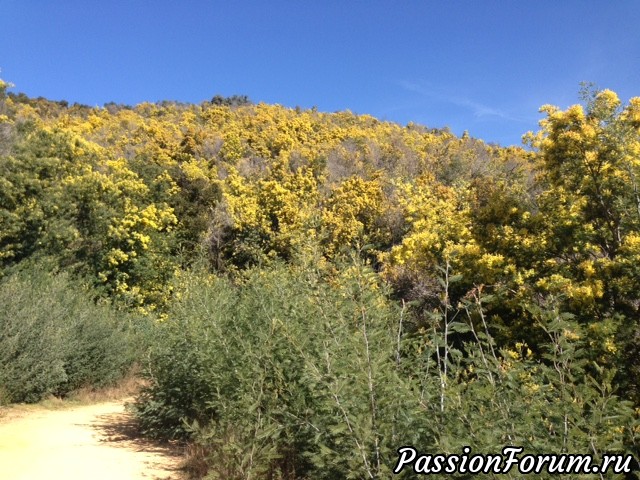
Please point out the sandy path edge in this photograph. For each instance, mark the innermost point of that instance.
(97, 442)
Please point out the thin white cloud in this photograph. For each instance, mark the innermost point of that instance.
(479, 110)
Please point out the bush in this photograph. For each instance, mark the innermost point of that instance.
(55, 338)
(293, 375)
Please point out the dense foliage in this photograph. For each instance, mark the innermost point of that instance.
(290, 374)
(55, 339)
(328, 287)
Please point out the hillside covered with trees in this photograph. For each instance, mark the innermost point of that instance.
(307, 292)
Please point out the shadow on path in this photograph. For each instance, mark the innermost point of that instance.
(98, 441)
(121, 430)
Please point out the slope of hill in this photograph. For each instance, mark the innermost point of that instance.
(320, 283)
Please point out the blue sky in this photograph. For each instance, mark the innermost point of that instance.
(480, 65)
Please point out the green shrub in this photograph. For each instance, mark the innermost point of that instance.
(54, 338)
(289, 374)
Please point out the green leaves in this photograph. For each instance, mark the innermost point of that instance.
(303, 375)
(54, 339)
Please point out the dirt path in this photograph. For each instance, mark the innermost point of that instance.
(94, 442)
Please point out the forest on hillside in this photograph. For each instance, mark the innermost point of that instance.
(307, 292)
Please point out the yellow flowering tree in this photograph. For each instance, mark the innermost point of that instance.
(590, 214)
(268, 217)
(352, 215)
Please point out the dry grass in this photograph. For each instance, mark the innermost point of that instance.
(196, 461)
(124, 390)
